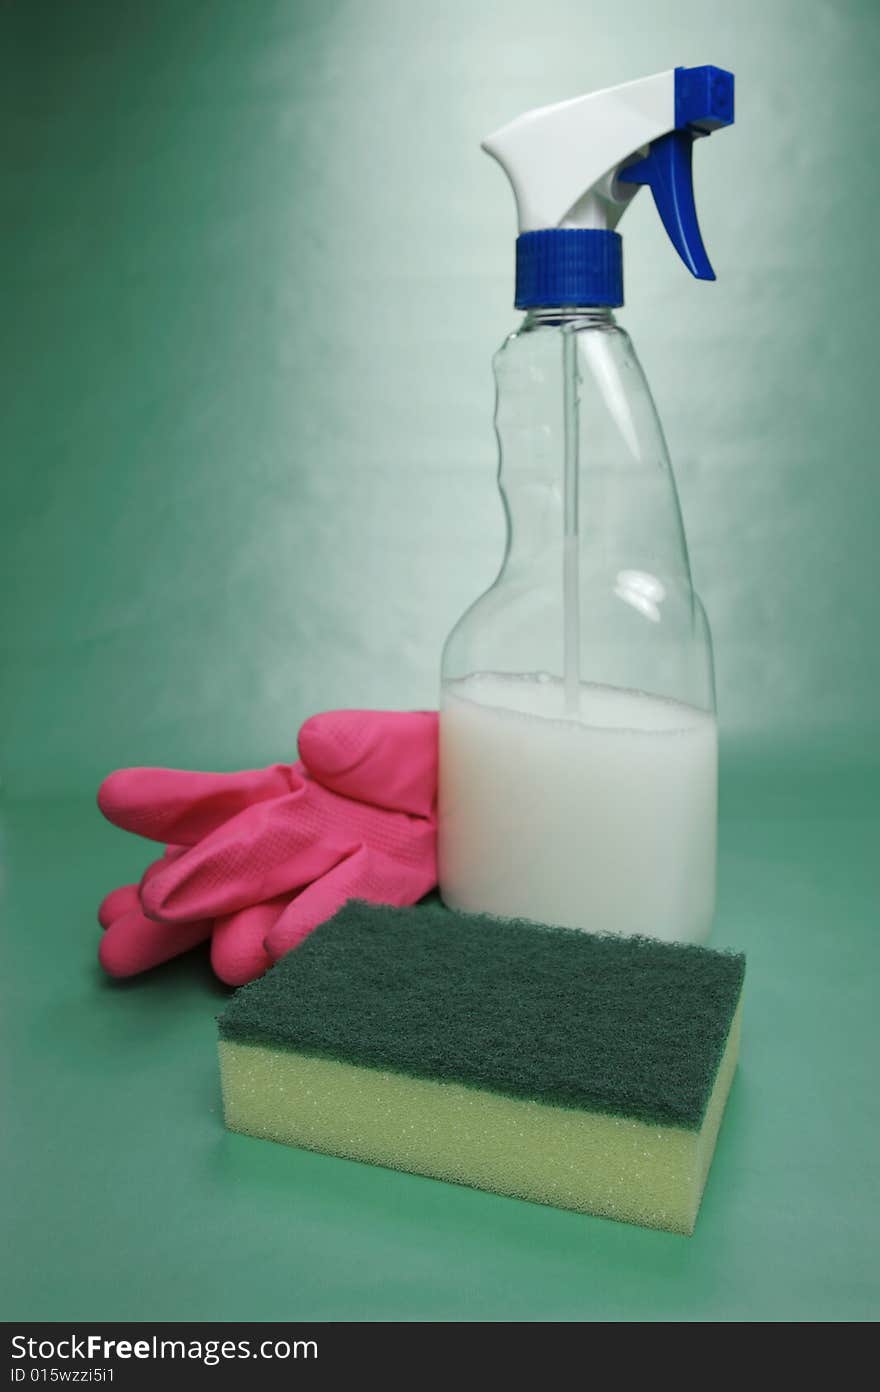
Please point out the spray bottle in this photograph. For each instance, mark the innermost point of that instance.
(578, 744)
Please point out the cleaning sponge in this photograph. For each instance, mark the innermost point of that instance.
(574, 1069)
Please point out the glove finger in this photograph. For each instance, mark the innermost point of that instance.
(387, 758)
(181, 807)
(267, 850)
(135, 943)
(367, 874)
(170, 853)
(128, 897)
(237, 951)
(118, 902)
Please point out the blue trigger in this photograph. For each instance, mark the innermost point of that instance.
(667, 169)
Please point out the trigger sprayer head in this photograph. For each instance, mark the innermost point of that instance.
(576, 166)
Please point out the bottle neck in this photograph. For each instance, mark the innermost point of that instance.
(583, 316)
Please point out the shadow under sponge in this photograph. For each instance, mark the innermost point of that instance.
(581, 1070)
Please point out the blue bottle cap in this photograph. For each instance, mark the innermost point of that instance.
(564, 266)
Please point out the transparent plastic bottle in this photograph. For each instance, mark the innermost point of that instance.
(578, 745)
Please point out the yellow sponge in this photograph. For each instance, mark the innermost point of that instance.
(584, 1071)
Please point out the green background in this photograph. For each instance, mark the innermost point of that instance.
(255, 270)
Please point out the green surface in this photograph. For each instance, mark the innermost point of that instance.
(124, 1197)
(254, 268)
(622, 1025)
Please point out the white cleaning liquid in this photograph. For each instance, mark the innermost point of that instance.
(602, 819)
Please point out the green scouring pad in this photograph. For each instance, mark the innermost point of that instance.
(585, 1071)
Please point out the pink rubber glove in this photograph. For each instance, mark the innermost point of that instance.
(132, 942)
(262, 857)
